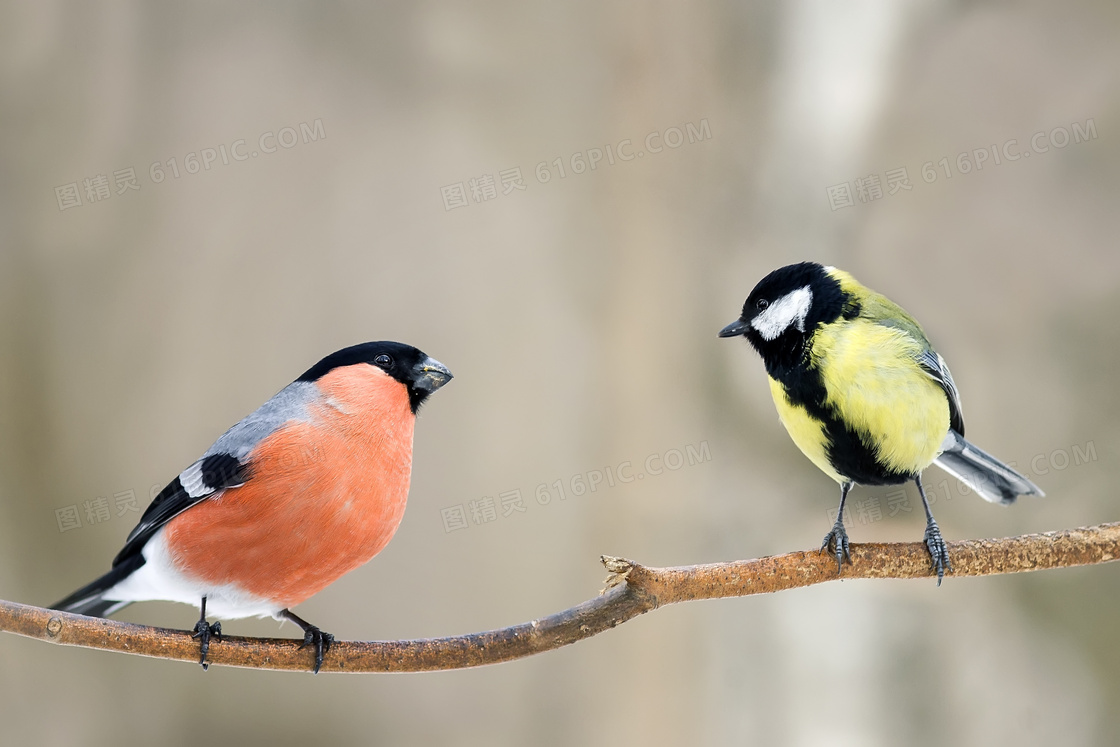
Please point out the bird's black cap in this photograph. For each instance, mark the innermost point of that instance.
(827, 297)
(783, 310)
(414, 368)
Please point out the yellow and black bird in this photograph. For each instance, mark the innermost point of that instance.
(862, 392)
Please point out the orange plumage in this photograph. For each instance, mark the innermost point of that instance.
(308, 487)
(309, 514)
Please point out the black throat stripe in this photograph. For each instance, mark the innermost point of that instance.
(850, 453)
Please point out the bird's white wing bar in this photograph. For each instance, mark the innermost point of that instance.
(193, 483)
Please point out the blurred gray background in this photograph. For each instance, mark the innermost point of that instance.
(142, 313)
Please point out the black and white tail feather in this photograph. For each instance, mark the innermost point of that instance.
(89, 600)
(992, 479)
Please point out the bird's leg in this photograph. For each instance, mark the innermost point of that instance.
(203, 631)
(938, 553)
(838, 537)
(312, 636)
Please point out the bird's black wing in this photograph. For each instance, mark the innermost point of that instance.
(935, 367)
(195, 484)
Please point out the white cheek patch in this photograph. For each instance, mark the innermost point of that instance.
(792, 308)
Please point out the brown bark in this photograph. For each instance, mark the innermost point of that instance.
(632, 590)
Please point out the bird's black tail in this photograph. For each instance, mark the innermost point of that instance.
(988, 476)
(88, 600)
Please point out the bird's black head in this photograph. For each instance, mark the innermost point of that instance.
(420, 373)
(783, 310)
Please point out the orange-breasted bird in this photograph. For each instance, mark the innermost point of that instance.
(307, 488)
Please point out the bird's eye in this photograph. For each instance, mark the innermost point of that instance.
(761, 304)
(383, 361)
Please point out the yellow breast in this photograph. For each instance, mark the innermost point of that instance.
(808, 433)
(873, 384)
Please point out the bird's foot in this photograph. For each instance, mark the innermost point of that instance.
(837, 543)
(204, 631)
(312, 636)
(938, 553)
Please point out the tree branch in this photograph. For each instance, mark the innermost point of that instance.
(632, 590)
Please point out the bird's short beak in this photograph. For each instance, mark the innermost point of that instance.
(430, 375)
(736, 328)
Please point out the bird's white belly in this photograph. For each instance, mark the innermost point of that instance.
(159, 580)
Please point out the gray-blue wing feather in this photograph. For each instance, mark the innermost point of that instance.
(225, 465)
(936, 368)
